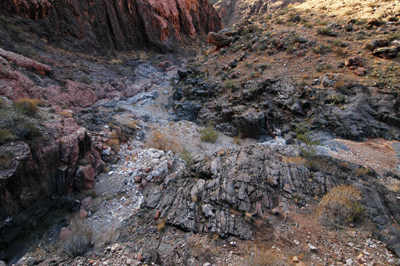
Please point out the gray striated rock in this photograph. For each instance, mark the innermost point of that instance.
(219, 194)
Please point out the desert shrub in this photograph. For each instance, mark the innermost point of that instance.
(27, 131)
(232, 85)
(118, 135)
(303, 135)
(120, 109)
(160, 141)
(265, 256)
(161, 225)
(5, 159)
(84, 79)
(321, 67)
(113, 144)
(322, 49)
(133, 125)
(236, 140)
(340, 51)
(79, 241)
(324, 31)
(66, 114)
(6, 135)
(186, 156)
(338, 99)
(340, 206)
(28, 106)
(209, 134)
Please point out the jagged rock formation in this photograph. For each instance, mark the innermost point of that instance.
(259, 109)
(122, 24)
(230, 193)
(37, 177)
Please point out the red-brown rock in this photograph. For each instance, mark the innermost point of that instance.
(144, 182)
(16, 85)
(219, 40)
(157, 214)
(119, 24)
(27, 63)
(82, 214)
(86, 202)
(353, 61)
(360, 71)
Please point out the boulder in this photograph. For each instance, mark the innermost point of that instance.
(387, 52)
(27, 63)
(394, 246)
(219, 40)
(353, 61)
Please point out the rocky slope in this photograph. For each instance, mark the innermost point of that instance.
(122, 25)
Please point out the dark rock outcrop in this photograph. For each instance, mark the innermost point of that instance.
(46, 159)
(258, 109)
(119, 24)
(226, 193)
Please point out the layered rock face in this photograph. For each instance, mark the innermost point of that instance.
(228, 192)
(120, 24)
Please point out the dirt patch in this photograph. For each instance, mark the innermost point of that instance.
(359, 9)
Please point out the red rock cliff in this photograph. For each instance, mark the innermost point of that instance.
(120, 24)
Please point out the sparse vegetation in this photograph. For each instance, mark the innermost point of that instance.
(209, 134)
(322, 49)
(5, 159)
(302, 135)
(341, 206)
(338, 99)
(113, 144)
(28, 106)
(265, 256)
(78, 241)
(158, 140)
(186, 156)
(66, 114)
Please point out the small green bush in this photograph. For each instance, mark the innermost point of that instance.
(322, 49)
(6, 135)
(338, 99)
(209, 134)
(186, 156)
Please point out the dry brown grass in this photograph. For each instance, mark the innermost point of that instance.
(161, 225)
(340, 206)
(113, 144)
(265, 256)
(66, 114)
(160, 141)
(79, 241)
(28, 106)
(133, 125)
(297, 160)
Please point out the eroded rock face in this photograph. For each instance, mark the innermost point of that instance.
(51, 170)
(39, 174)
(228, 192)
(120, 24)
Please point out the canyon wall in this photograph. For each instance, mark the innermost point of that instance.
(116, 24)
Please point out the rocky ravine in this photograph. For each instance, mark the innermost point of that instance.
(143, 211)
(122, 25)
